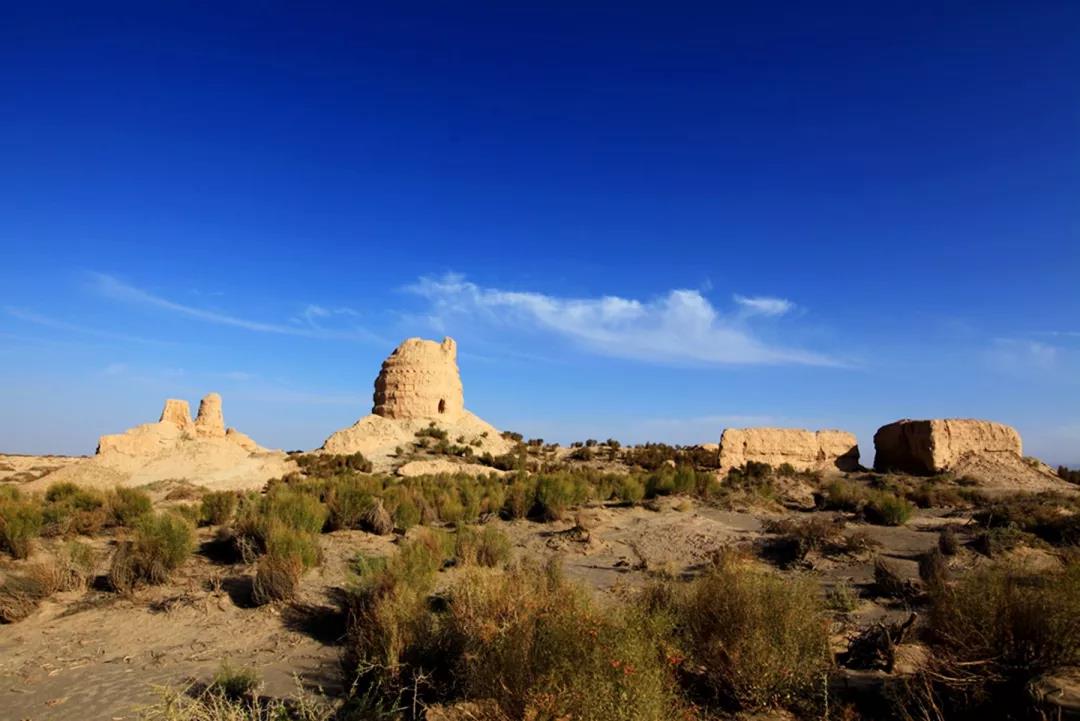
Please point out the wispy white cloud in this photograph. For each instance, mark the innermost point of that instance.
(38, 319)
(115, 289)
(1021, 355)
(763, 305)
(679, 327)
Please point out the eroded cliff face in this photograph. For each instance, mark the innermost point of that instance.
(938, 445)
(420, 379)
(802, 449)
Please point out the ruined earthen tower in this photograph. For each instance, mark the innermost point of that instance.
(420, 379)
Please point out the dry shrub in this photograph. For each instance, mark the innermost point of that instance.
(210, 704)
(538, 647)
(161, 543)
(798, 537)
(70, 570)
(70, 509)
(528, 643)
(19, 597)
(386, 612)
(889, 583)
(21, 594)
(756, 639)
(948, 543)
(993, 632)
(277, 578)
(932, 568)
(376, 519)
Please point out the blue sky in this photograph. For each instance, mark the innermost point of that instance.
(643, 221)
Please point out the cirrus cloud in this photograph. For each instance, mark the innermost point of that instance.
(681, 326)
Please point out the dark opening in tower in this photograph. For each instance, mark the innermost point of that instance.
(442, 406)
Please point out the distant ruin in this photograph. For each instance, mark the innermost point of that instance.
(174, 427)
(418, 386)
(801, 449)
(935, 446)
(420, 379)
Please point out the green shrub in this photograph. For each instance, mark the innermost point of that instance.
(520, 497)
(886, 509)
(489, 547)
(295, 509)
(841, 495)
(407, 513)
(217, 507)
(347, 501)
(629, 490)
(20, 523)
(282, 541)
(161, 543)
(128, 505)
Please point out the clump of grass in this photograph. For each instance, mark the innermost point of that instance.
(932, 568)
(235, 683)
(539, 648)
(217, 507)
(160, 544)
(21, 521)
(277, 578)
(386, 611)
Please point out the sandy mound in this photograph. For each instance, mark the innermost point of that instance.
(437, 466)
(378, 438)
(1009, 473)
(23, 469)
